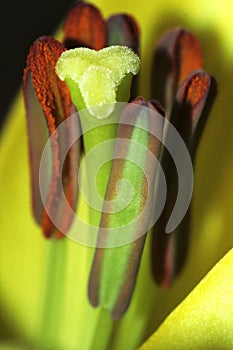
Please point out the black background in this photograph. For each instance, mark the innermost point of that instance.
(21, 22)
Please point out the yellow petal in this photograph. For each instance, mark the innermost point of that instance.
(204, 320)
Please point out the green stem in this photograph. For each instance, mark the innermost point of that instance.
(103, 331)
(53, 294)
(103, 323)
(94, 138)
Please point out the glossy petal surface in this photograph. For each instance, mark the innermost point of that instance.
(204, 319)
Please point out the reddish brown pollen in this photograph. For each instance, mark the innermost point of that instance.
(54, 100)
(197, 89)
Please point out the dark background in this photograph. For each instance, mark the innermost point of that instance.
(21, 22)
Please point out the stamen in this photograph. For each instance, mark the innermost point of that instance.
(114, 270)
(84, 27)
(48, 104)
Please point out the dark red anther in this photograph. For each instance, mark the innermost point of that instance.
(177, 54)
(84, 27)
(189, 114)
(48, 104)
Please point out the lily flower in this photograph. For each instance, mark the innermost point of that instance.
(59, 294)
